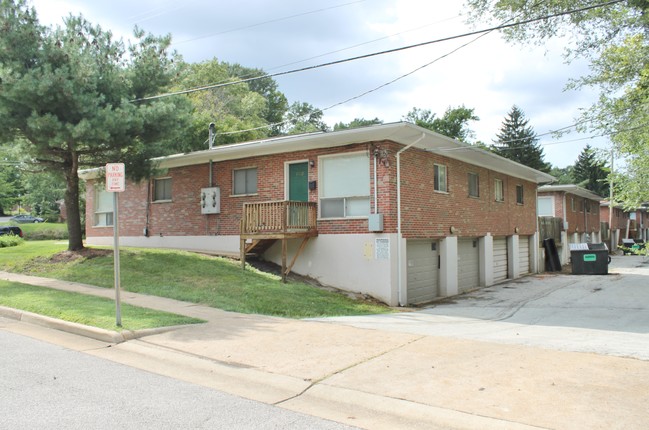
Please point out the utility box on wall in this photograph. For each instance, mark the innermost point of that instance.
(210, 200)
(375, 222)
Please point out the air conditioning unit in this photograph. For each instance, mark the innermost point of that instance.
(210, 200)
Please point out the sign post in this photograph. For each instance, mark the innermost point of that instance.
(115, 183)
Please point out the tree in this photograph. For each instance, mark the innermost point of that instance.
(563, 175)
(303, 118)
(276, 103)
(11, 184)
(70, 95)
(614, 39)
(517, 141)
(591, 173)
(453, 124)
(232, 108)
(357, 122)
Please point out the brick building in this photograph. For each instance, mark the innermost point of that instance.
(579, 210)
(632, 224)
(394, 211)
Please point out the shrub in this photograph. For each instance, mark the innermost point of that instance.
(10, 240)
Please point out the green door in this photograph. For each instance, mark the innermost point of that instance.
(298, 182)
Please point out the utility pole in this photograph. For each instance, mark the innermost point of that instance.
(610, 203)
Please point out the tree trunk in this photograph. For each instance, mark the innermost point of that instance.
(75, 237)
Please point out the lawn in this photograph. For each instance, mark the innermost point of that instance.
(84, 309)
(212, 281)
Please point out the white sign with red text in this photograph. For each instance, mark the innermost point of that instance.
(115, 177)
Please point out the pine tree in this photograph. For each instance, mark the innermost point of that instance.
(591, 172)
(518, 142)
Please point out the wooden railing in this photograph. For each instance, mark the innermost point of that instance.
(278, 217)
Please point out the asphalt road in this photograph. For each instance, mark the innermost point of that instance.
(43, 386)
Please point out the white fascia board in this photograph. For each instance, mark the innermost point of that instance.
(400, 132)
(572, 189)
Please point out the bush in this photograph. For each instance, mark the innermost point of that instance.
(10, 240)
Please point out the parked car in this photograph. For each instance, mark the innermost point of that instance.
(22, 219)
(10, 229)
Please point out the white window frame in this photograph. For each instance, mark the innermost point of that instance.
(470, 176)
(166, 179)
(247, 191)
(103, 208)
(538, 205)
(349, 202)
(499, 190)
(440, 181)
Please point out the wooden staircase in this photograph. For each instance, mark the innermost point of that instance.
(265, 223)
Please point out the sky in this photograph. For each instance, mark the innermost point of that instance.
(488, 74)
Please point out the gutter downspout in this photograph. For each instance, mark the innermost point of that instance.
(376, 194)
(399, 246)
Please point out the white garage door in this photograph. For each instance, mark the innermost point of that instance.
(524, 254)
(500, 259)
(468, 264)
(423, 272)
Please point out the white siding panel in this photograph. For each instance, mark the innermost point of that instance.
(468, 264)
(423, 272)
(524, 254)
(500, 259)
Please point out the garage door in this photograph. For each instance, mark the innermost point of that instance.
(524, 254)
(423, 272)
(500, 259)
(468, 264)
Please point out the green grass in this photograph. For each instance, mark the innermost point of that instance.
(84, 309)
(191, 277)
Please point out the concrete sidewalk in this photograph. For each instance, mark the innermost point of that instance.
(373, 378)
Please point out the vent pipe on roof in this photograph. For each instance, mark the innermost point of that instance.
(211, 136)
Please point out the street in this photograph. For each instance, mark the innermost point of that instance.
(43, 386)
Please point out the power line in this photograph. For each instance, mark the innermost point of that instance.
(284, 18)
(374, 54)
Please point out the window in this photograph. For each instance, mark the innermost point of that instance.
(440, 178)
(499, 190)
(345, 186)
(162, 189)
(103, 208)
(244, 181)
(544, 206)
(474, 185)
(519, 194)
(572, 204)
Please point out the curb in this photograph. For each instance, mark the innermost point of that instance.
(103, 335)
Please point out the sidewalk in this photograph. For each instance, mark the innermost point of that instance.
(373, 378)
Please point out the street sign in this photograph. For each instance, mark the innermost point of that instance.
(115, 183)
(115, 177)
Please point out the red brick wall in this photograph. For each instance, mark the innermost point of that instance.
(425, 213)
(619, 217)
(580, 220)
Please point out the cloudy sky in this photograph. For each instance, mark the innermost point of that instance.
(487, 74)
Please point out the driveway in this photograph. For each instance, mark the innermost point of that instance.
(603, 314)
